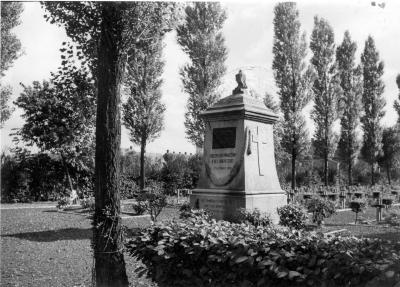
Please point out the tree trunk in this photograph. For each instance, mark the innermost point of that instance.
(293, 169)
(372, 174)
(67, 172)
(142, 163)
(350, 172)
(107, 232)
(326, 169)
(388, 173)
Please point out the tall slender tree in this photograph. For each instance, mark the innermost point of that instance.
(397, 103)
(143, 113)
(352, 86)
(10, 51)
(280, 153)
(200, 37)
(391, 150)
(326, 90)
(292, 78)
(105, 32)
(373, 105)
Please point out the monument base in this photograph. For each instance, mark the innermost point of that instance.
(225, 205)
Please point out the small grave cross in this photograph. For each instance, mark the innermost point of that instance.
(258, 138)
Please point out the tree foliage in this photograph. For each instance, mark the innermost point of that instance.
(292, 78)
(397, 103)
(280, 154)
(10, 44)
(143, 112)
(200, 37)
(373, 104)
(6, 110)
(10, 51)
(352, 86)
(326, 90)
(391, 150)
(59, 117)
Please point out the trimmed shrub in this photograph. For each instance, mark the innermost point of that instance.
(320, 209)
(219, 253)
(357, 206)
(63, 203)
(254, 217)
(88, 203)
(139, 207)
(153, 199)
(293, 216)
(393, 217)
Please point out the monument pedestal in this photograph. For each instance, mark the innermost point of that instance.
(238, 168)
(224, 205)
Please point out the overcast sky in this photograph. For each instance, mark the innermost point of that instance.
(248, 32)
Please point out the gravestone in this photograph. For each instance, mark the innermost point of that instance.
(238, 168)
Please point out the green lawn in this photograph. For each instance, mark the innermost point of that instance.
(43, 247)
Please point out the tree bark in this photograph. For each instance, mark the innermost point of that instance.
(350, 172)
(372, 174)
(107, 232)
(67, 172)
(326, 169)
(142, 163)
(388, 173)
(293, 168)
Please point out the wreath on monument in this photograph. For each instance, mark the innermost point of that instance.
(235, 169)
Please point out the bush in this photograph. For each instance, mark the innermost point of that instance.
(193, 214)
(387, 201)
(393, 217)
(357, 206)
(153, 199)
(128, 188)
(63, 202)
(254, 217)
(293, 216)
(211, 253)
(88, 203)
(320, 209)
(139, 207)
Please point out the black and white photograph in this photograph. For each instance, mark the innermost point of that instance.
(200, 143)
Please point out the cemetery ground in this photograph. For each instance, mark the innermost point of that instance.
(41, 246)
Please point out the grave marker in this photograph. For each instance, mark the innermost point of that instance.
(238, 160)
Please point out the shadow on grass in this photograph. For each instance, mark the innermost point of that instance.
(54, 235)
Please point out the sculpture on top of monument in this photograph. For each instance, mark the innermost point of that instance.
(241, 80)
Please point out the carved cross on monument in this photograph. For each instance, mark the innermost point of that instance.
(258, 137)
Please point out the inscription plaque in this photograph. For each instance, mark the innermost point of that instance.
(224, 138)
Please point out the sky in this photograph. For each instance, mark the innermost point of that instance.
(248, 33)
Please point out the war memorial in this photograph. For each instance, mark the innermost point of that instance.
(239, 166)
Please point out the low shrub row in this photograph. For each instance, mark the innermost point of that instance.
(201, 252)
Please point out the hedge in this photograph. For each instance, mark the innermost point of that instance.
(198, 252)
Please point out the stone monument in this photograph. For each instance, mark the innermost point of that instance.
(238, 168)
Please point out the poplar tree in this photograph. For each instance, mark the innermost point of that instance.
(200, 37)
(10, 51)
(326, 90)
(373, 103)
(143, 112)
(397, 103)
(391, 150)
(280, 154)
(293, 79)
(352, 86)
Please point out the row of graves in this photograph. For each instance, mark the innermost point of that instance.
(342, 195)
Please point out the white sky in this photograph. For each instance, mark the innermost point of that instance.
(249, 35)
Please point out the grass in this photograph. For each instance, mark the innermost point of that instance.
(44, 247)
